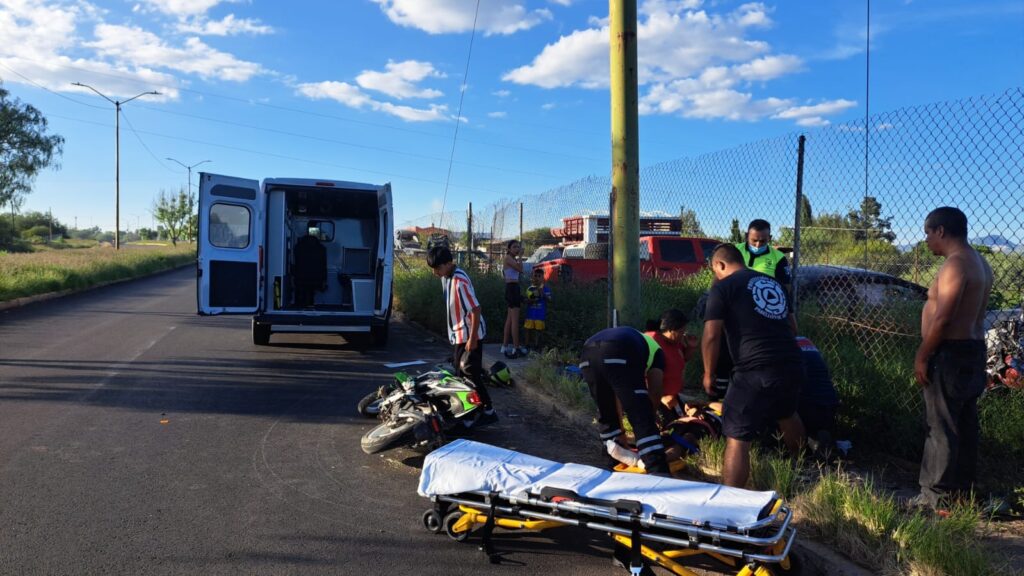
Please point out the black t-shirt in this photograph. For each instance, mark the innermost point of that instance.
(754, 308)
(631, 341)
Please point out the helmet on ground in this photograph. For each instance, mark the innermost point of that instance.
(500, 375)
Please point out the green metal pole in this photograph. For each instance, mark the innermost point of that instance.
(625, 223)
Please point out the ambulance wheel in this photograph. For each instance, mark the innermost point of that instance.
(432, 521)
(449, 524)
(260, 333)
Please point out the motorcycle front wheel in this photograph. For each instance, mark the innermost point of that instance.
(369, 406)
(386, 434)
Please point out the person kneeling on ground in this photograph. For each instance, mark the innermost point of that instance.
(466, 327)
(670, 334)
(615, 364)
(818, 398)
(753, 311)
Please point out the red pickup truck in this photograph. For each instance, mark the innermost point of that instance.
(660, 256)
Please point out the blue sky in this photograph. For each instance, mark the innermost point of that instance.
(368, 90)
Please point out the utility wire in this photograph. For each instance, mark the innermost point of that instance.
(252, 102)
(458, 117)
(281, 156)
(343, 142)
(55, 93)
(131, 128)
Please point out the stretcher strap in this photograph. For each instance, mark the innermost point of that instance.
(636, 559)
(487, 547)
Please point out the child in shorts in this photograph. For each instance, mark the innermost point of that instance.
(537, 297)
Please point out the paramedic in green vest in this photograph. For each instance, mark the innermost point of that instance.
(760, 255)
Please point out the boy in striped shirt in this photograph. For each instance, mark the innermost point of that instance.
(466, 327)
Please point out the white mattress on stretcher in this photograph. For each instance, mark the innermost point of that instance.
(467, 466)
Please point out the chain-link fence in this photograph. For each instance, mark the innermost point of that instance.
(866, 188)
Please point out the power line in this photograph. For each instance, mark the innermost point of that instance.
(458, 116)
(344, 143)
(131, 128)
(280, 156)
(253, 102)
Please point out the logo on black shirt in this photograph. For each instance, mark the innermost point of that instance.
(769, 299)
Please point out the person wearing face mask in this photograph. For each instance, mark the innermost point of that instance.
(760, 255)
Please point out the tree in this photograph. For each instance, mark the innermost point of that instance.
(173, 212)
(735, 234)
(25, 147)
(868, 222)
(806, 216)
(535, 238)
(690, 223)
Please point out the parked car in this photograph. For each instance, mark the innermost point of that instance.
(828, 285)
(662, 256)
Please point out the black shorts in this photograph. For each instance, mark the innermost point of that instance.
(513, 297)
(757, 399)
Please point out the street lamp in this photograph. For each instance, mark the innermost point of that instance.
(189, 168)
(117, 155)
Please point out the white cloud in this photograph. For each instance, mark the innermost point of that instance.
(674, 41)
(820, 109)
(180, 8)
(692, 62)
(353, 97)
(497, 114)
(35, 38)
(227, 26)
(453, 16)
(549, 106)
(561, 2)
(400, 79)
(138, 47)
(502, 93)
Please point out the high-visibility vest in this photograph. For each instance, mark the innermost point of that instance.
(652, 349)
(765, 263)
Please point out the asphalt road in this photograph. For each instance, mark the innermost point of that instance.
(139, 438)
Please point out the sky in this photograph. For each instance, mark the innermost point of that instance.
(371, 90)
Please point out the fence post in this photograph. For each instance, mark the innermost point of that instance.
(796, 225)
(520, 222)
(469, 236)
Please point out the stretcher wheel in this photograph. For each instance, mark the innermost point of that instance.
(432, 521)
(449, 524)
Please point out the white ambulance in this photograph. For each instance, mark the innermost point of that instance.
(300, 255)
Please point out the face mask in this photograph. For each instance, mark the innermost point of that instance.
(757, 251)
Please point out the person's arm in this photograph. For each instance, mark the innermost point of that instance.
(690, 346)
(513, 263)
(949, 291)
(474, 328)
(655, 386)
(710, 345)
(782, 272)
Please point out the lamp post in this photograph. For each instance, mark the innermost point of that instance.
(189, 168)
(117, 154)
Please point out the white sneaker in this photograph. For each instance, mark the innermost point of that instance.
(523, 351)
(504, 348)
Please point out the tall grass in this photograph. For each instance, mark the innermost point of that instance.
(39, 272)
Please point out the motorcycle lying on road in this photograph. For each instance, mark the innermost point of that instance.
(1005, 342)
(418, 411)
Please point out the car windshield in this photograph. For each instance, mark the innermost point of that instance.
(545, 253)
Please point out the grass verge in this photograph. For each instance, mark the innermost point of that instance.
(43, 271)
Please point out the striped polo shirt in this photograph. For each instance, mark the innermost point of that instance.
(459, 300)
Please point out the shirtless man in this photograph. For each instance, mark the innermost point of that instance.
(950, 363)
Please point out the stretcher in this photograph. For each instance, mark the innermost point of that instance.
(651, 519)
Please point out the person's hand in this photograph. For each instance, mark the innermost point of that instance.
(709, 383)
(670, 401)
(471, 344)
(921, 371)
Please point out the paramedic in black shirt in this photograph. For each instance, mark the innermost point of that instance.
(752, 311)
(625, 363)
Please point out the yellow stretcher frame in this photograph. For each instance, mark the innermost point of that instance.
(472, 518)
